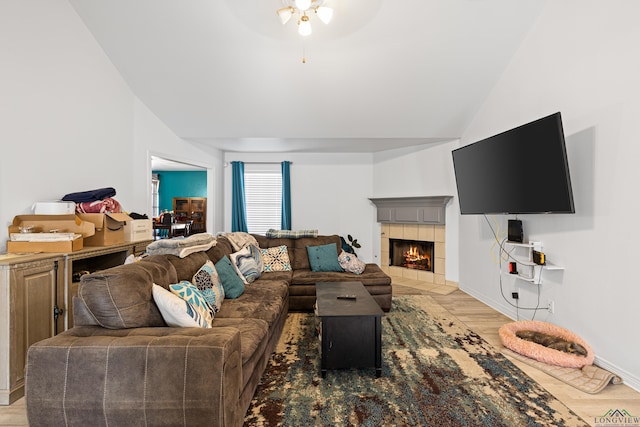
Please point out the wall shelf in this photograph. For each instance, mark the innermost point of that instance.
(526, 260)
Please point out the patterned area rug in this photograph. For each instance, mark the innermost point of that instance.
(436, 372)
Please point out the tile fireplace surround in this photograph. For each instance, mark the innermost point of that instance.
(419, 232)
(415, 218)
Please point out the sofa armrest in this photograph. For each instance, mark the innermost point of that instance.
(157, 376)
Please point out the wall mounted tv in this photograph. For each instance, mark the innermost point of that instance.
(520, 171)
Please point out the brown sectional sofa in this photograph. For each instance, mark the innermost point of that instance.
(121, 365)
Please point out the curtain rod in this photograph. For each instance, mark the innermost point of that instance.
(257, 163)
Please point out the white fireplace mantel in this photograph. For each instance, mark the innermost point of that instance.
(412, 210)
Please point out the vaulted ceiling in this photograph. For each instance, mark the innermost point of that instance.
(383, 74)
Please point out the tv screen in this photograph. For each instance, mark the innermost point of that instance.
(521, 171)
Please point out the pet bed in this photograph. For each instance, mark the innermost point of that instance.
(589, 379)
(539, 352)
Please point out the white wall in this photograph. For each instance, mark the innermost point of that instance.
(68, 121)
(67, 115)
(153, 137)
(329, 192)
(581, 59)
(422, 171)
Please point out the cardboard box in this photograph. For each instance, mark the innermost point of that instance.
(35, 247)
(109, 228)
(49, 223)
(52, 223)
(137, 230)
(54, 208)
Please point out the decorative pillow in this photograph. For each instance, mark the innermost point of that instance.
(324, 258)
(231, 282)
(207, 281)
(255, 252)
(245, 264)
(276, 259)
(288, 234)
(175, 311)
(188, 292)
(351, 263)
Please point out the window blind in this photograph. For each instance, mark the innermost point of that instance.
(263, 199)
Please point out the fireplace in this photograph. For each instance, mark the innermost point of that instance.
(413, 254)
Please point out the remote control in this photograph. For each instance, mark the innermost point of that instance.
(346, 297)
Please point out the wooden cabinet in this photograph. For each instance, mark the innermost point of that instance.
(36, 292)
(31, 294)
(191, 209)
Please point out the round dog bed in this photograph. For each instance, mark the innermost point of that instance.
(539, 352)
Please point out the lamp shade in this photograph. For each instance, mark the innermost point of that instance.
(304, 26)
(325, 14)
(285, 14)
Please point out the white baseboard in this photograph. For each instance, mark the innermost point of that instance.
(628, 378)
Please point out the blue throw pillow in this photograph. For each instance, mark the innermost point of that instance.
(231, 282)
(324, 258)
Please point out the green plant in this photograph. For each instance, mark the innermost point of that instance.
(353, 243)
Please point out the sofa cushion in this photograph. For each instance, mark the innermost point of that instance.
(231, 282)
(324, 258)
(372, 275)
(260, 301)
(162, 271)
(177, 312)
(208, 282)
(121, 297)
(223, 247)
(275, 275)
(276, 259)
(186, 267)
(190, 293)
(300, 258)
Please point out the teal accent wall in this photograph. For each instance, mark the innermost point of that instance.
(180, 184)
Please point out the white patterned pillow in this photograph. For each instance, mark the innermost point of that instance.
(188, 292)
(257, 255)
(351, 263)
(245, 264)
(276, 259)
(175, 311)
(208, 282)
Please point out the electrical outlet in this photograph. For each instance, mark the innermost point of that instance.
(515, 295)
(551, 306)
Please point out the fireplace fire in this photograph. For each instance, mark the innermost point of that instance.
(412, 254)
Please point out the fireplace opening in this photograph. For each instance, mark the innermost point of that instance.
(414, 254)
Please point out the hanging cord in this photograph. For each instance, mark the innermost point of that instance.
(508, 254)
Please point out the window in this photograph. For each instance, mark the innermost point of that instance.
(155, 201)
(263, 197)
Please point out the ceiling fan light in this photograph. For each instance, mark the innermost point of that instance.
(324, 13)
(304, 26)
(303, 4)
(285, 14)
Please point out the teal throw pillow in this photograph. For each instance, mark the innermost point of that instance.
(231, 282)
(324, 258)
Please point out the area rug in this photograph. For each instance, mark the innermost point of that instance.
(436, 372)
(590, 378)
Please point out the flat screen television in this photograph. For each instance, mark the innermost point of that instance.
(520, 171)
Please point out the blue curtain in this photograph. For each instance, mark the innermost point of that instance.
(286, 196)
(238, 211)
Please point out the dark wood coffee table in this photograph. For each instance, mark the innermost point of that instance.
(350, 329)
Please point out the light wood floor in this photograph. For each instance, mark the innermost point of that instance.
(485, 322)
